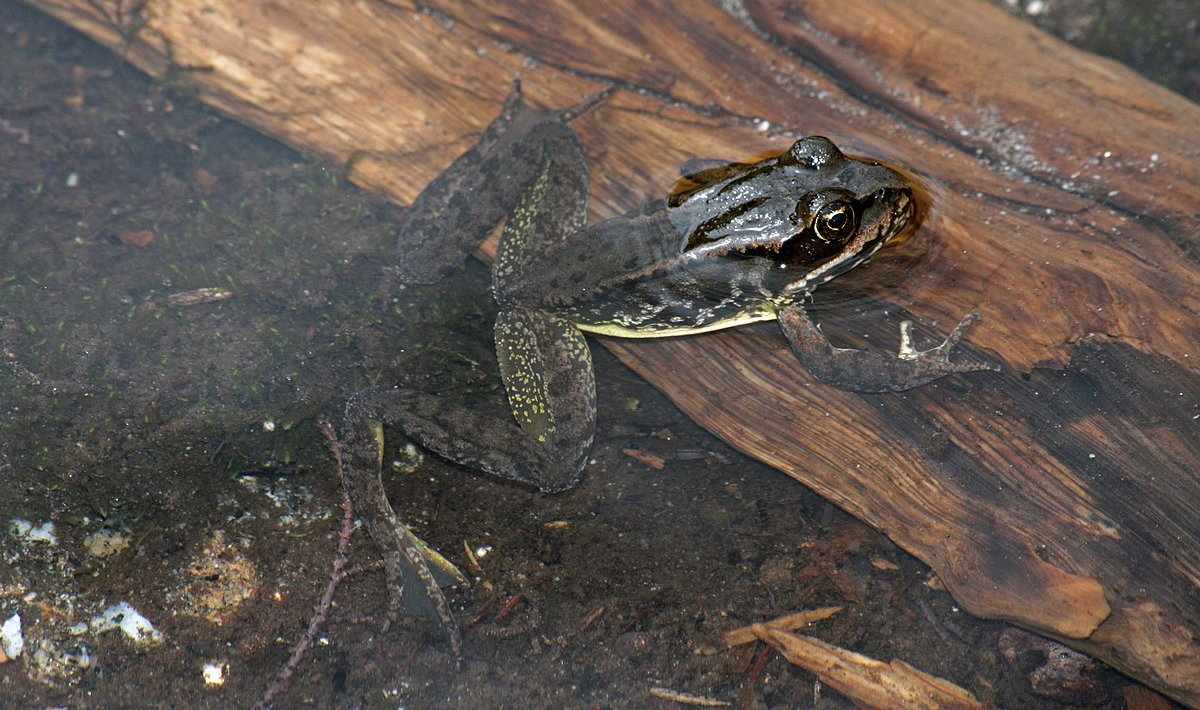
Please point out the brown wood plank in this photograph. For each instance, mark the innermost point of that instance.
(1060, 494)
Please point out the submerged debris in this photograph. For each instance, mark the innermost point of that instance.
(1065, 675)
(105, 542)
(198, 296)
(869, 682)
(26, 531)
(221, 579)
(138, 238)
(12, 643)
(791, 622)
(214, 673)
(51, 663)
(122, 616)
(654, 461)
(687, 698)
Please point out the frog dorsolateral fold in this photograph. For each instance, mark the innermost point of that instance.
(749, 243)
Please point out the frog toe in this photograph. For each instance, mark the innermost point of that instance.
(937, 359)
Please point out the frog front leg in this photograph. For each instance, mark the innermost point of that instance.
(868, 371)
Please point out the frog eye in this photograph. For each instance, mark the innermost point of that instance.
(814, 152)
(836, 221)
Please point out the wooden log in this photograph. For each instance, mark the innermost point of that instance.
(1060, 494)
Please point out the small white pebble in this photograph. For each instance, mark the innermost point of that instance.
(214, 672)
(763, 125)
(11, 639)
(22, 529)
(73, 180)
(268, 425)
(124, 617)
(483, 550)
(1035, 7)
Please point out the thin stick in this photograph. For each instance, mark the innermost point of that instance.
(321, 612)
(790, 622)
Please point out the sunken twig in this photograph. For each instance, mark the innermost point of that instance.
(321, 613)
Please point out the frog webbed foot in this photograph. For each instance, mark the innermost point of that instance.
(867, 371)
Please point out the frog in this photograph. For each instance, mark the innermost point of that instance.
(745, 242)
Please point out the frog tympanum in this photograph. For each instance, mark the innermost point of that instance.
(750, 242)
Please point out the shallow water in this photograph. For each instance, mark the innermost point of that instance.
(125, 411)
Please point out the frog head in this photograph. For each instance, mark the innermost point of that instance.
(813, 212)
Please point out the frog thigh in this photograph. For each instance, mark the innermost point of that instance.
(547, 371)
(551, 208)
(545, 363)
(455, 212)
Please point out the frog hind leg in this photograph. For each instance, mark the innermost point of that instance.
(868, 371)
(414, 571)
(544, 360)
(547, 371)
(481, 187)
(552, 208)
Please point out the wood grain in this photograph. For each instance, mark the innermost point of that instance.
(871, 683)
(1060, 494)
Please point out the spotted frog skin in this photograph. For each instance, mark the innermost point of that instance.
(749, 242)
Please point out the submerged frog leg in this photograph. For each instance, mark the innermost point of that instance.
(868, 371)
(543, 358)
(460, 433)
(415, 572)
(450, 217)
(551, 208)
(454, 213)
(547, 371)
(558, 383)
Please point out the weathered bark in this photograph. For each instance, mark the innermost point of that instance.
(1060, 494)
(870, 682)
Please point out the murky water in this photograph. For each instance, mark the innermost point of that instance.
(181, 298)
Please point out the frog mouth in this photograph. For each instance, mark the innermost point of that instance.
(885, 214)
